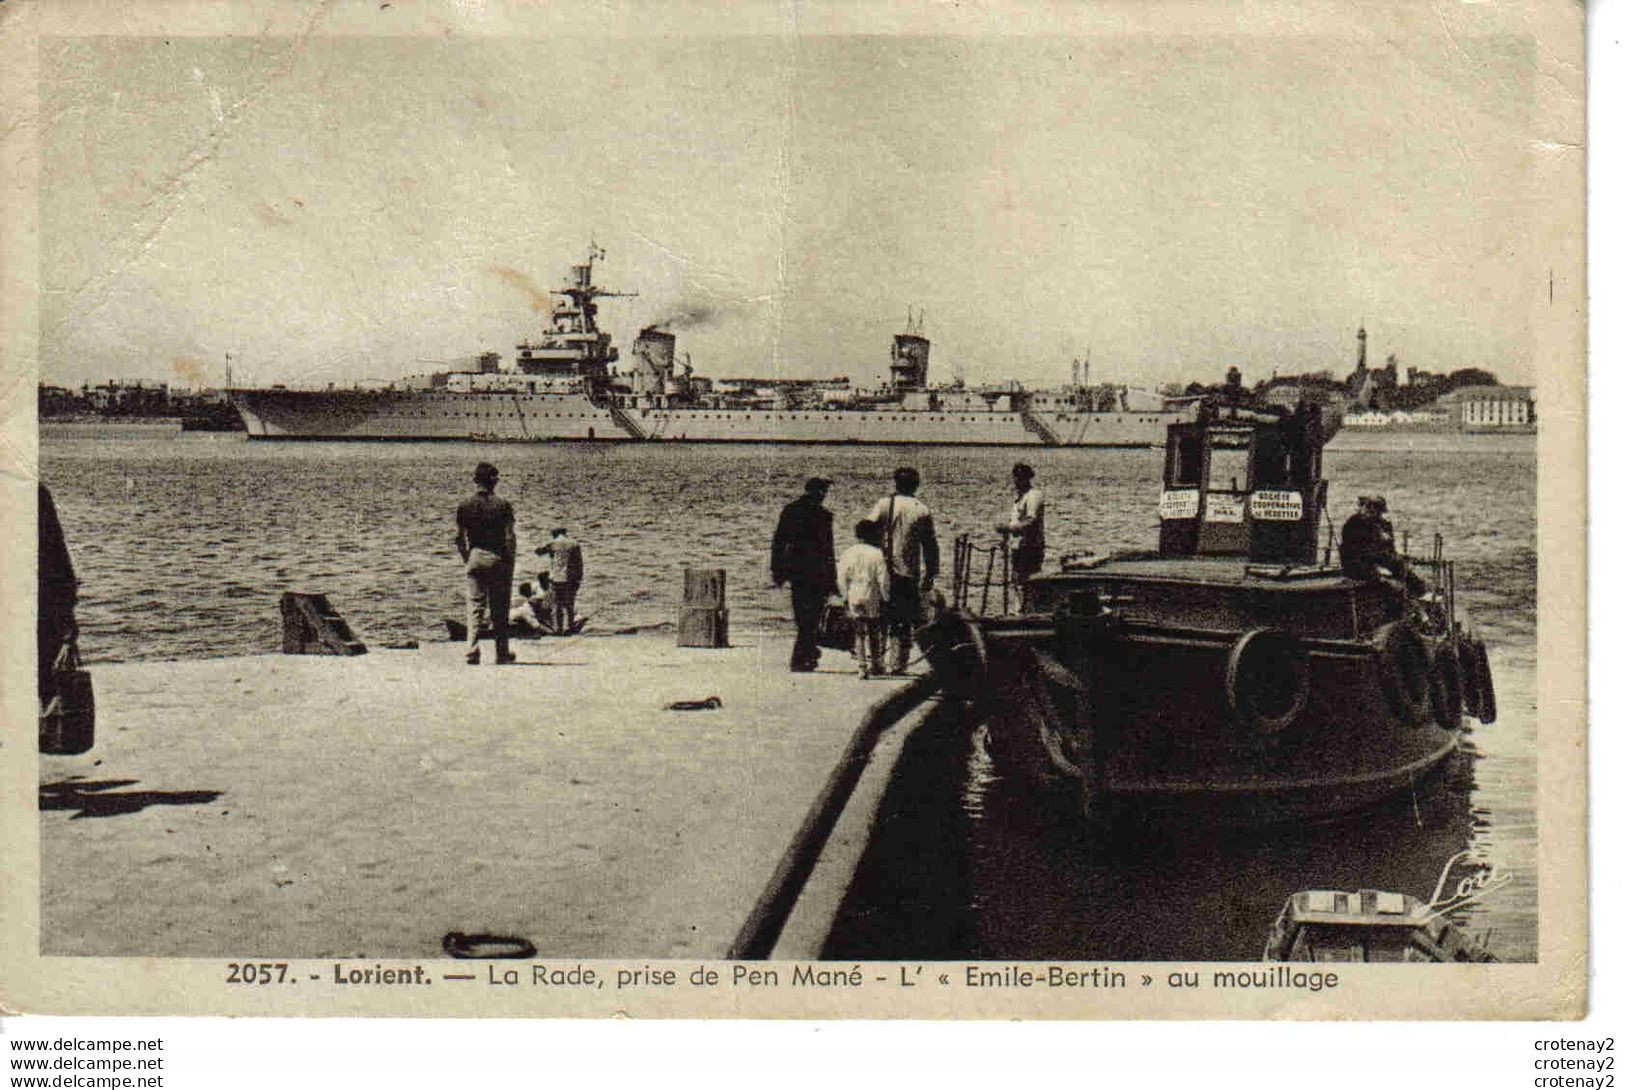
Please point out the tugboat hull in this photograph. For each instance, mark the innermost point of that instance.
(1149, 732)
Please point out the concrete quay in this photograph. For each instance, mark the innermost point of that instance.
(314, 806)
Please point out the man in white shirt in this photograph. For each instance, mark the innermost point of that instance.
(1025, 528)
(909, 540)
(566, 578)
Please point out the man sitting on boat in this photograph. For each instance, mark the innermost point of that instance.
(1368, 554)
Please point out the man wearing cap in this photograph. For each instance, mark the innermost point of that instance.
(804, 556)
(486, 542)
(1367, 551)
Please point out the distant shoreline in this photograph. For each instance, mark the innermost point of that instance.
(1372, 440)
(1347, 440)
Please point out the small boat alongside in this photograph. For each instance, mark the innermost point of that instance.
(1374, 925)
(1369, 925)
(1233, 673)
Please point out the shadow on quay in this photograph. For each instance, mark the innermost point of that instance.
(99, 798)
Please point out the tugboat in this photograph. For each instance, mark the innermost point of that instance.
(1234, 673)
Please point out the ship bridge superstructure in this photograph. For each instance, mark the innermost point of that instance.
(573, 347)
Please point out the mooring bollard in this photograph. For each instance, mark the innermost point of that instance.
(702, 619)
(310, 626)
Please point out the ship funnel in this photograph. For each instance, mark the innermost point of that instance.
(910, 361)
(653, 356)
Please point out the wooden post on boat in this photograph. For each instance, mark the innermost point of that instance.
(702, 619)
(311, 626)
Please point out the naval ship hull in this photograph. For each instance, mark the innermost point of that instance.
(518, 416)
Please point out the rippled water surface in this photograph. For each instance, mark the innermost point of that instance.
(183, 546)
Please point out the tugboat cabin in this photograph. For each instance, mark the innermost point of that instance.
(1244, 484)
(1241, 510)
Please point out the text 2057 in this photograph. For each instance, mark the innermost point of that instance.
(256, 972)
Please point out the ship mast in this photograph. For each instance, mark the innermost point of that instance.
(581, 314)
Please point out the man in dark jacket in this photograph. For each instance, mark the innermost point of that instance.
(804, 557)
(1367, 549)
(58, 594)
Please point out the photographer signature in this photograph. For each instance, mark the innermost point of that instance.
(1475, 879)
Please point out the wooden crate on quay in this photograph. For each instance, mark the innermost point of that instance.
(702, 619)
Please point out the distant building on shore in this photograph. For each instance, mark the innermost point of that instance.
(1491, 408)
(1399, 418)
(193, 410)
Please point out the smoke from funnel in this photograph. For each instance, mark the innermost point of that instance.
(687, 315)
(539, 299)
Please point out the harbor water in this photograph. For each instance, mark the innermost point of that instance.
(182, 547)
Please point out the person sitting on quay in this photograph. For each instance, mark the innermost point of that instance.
(864, 583)
(534, 613)
(566, 577)
(909, 542)
(486, 542)
(803, 555)
(1025, 529)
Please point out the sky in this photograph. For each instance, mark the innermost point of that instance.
(359, 209)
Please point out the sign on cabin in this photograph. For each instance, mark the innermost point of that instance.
(1268, 506)
(1181, 503)
(1225, 507)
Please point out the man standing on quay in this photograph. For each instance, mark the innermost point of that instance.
(1025, 529)
(566, 578)
(909, 540)
(487, 544)
(804, 557)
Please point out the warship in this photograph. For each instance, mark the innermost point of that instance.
(566, 385)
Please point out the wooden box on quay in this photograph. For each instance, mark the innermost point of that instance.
(702, 619)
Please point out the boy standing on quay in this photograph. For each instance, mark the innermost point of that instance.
(865, 584)
(486, 542)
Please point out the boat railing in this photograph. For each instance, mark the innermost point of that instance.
(1440, 574)
(981, 577)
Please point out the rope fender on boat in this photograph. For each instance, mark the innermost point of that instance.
(957, 651)
(1266, 680)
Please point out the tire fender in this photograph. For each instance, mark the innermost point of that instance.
(1404, 671)
(1486, 683)
(1471, 686)
(1445, 688)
